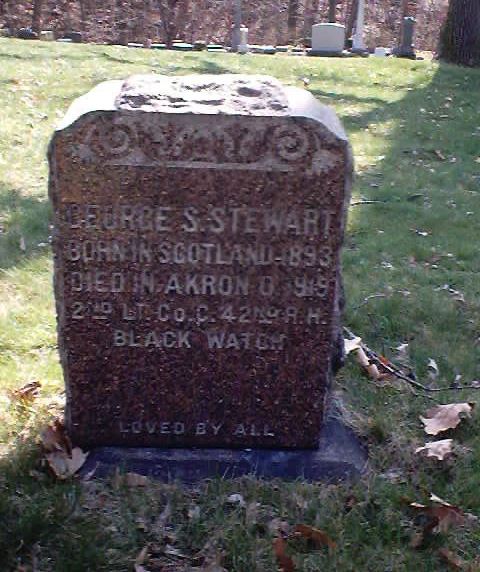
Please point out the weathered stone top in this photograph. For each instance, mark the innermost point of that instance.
(206, 94)
(226, 94)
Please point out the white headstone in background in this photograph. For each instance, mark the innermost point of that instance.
(328, 38)
(47, 35)
(243, 44)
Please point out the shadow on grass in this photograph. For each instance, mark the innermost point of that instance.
(24, 227)
(206, 66)
(428, 167)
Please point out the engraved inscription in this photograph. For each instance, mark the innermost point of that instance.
(201, 428)
(191, 219)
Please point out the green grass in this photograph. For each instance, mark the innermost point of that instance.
(415, 131)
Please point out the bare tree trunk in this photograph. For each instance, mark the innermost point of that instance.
(181, 18)
(351, 19)
(310, 18)
(83, 13)
(460, 37)
(332, 11)
(37, 15)
(167, 15)
(237, 22)
(292, 17)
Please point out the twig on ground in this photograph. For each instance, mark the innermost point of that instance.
(365, 202)
(392, 369)
(368, 298)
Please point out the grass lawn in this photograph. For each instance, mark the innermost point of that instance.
(411, 266)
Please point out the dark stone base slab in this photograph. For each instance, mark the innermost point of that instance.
(327, 54)
(339, 456)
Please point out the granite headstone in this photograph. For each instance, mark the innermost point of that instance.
(198, 223)
(327, 39)
(406, 48)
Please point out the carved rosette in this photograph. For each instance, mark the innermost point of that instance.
(128, 141)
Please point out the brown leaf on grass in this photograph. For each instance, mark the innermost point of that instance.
(236, 499)
(317, 536)
(452, 559)
(444, 417)
(352, 344)
(135, 480)
(54, 437)
(350, 502)
(440, 516)
(285, 563)
(65, 465)
(370, 368)
(27, 393)
(437, 449)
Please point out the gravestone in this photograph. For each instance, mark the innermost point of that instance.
(327, 39)
(406, 48)
(243, 40)
(198, 223)
(358, 44)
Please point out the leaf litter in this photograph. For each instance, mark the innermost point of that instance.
(63, 460)
(444, 417)
(437, 449)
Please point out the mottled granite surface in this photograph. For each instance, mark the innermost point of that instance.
(198, 223)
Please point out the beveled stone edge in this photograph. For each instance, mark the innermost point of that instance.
(301, 104)
(340, 456)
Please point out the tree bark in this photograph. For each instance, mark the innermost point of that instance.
(168, 18)
(292, 17)
(351, 19)
(332, 11)
(37, 16)
(310, 16)
(460, 37)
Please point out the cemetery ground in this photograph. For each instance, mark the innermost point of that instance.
(411, 263)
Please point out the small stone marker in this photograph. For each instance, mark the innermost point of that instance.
(47, 35)
(327, 39)
(243, 43)
(198, 222)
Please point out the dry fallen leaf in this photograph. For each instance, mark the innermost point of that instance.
(54, 437)
(402, 352)
(444, 417)
(285, 563)
(352, 345)
(135, 480)
(370, 368)
(26, 393)
(65, 465)
(236, 498)
(441, 516)
(453, 560)
(437, 449)
(432, 368)
(319, 537)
